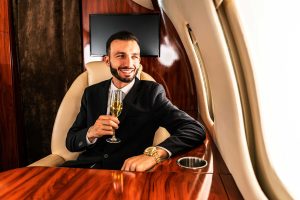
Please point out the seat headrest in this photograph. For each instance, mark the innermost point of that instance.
(98, 71)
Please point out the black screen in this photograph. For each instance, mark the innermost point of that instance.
(144, 26)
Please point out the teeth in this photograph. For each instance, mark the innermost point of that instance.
(126, 70)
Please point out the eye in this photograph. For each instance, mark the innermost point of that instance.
(120, 55)
(135, 57)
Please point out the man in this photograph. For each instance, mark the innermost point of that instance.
(145, 108)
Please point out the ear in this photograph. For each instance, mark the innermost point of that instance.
(106, 59)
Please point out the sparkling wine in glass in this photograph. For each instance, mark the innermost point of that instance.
(115, 107)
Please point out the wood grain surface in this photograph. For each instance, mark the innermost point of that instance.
(165, 181)
(68, 183)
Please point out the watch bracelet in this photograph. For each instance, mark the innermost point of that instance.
(156, 157)
(153, 154)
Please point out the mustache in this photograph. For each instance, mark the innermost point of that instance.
(126, 67)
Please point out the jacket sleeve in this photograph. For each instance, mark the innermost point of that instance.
(76, 137)
(185, 131)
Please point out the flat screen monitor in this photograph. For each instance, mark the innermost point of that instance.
(145, 26)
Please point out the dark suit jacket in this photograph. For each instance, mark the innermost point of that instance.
(145, 108)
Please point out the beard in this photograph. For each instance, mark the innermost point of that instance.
(115, 73)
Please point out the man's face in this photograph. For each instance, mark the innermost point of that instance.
(124, 59)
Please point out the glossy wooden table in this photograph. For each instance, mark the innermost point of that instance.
(166, 181)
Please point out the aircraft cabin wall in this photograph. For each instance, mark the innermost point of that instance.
(225, 121)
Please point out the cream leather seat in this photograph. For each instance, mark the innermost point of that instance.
(96, 72)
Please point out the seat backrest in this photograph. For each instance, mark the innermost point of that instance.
(96, 72)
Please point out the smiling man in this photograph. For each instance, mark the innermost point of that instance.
(145, 108)
(120, 52)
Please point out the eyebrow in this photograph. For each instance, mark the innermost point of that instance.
(121, 52)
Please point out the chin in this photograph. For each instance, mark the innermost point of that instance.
(128, 80)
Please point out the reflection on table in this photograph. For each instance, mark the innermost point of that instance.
(166, 181)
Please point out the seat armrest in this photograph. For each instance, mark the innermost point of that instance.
(51, 160)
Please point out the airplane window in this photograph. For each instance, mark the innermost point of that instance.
(273, 36)
(204, 74)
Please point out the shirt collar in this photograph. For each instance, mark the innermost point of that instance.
(125, 89)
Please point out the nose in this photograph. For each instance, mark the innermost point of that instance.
(128, 61)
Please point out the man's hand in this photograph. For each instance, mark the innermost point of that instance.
(104, 125)
(139, 163)
(142, 162)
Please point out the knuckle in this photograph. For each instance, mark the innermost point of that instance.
(139, 168)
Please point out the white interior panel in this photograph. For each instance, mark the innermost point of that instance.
(228, 129)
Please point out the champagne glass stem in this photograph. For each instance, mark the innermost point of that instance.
(113, 138)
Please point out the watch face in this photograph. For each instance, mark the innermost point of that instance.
(150, 151)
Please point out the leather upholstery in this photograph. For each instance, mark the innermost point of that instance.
(96, 72)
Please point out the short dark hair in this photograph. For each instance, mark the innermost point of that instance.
(121, 35)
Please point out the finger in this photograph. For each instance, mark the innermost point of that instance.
(104, 127)
(141, 163)
(109, 117)
(101, 122)
(104, 117)
(104, 132)
(99, 133)
(124, 165)
(130, 164)
(127, 164)
(132, 167)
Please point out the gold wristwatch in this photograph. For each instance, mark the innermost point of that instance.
(152, 151)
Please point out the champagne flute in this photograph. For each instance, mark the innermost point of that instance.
(115, 107)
